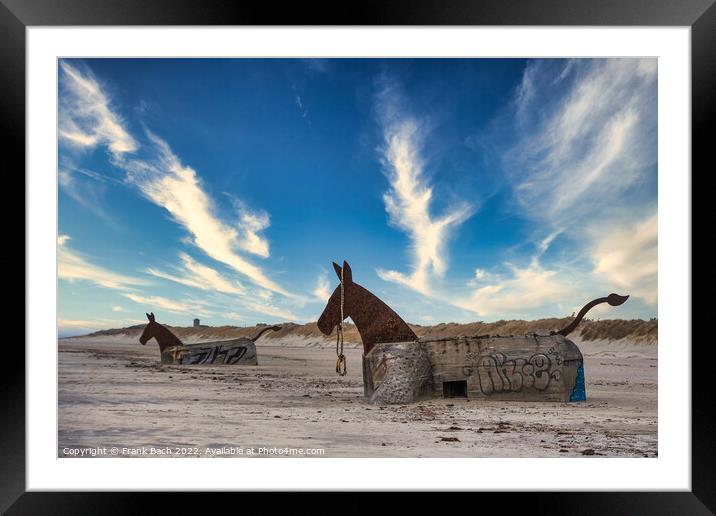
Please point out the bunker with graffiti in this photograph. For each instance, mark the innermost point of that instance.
(398, 367)
(240, 351)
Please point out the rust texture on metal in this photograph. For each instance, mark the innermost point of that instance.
(400, 368)
(375, 321)
(153, 330)
(173, 350)
(612, 299)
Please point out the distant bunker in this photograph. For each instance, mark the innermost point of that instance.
(230, 352)
(513, 368)
(240, 351)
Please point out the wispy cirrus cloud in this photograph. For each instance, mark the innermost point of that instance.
(580, 153)
(272, 310)
(299, 103)
(250, 223)
(197, 275)
(86, 189)
(585, 147)
(580, 163)
(65, 324)
(322, 292)
(409, 200)
(250, 309)
(86, 118)
(523, 290)
(73, 266)
(161, 302)
(177, 188)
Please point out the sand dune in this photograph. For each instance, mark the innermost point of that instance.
(635, 331)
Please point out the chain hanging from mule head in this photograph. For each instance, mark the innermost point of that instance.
(341, 368)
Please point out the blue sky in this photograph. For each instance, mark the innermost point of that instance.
(458, 189)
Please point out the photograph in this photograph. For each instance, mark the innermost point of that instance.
(375, 257)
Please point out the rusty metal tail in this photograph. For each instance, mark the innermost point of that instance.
(274, 328)
(612, 299)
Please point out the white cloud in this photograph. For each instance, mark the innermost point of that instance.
(85, 116)
(233, 316)
(118, 308)
(580, 149)
(301, 107)
(178, 189)
(73, 266)
(274, 311)
(250, 224)
(264, 294)
(88, 120)
(77, 323)
(408, 203)
(283, 315)
(300, 104)
(157, 301)
(628, 258)
(585, 142)
(322, 292)
(196, 275)
(86, 189)
(213, 307)
(524, 290)
(83, 324)
(481, 274)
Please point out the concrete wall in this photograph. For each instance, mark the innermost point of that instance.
(397, 373)
(520, 368)
(230, 352)
(525, 367)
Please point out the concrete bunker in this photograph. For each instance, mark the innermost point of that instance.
(399, 367)
(172, 350)
(455, 389)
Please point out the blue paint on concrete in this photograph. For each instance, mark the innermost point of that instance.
(579, 393)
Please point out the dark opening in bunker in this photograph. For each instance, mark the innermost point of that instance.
(456, 389)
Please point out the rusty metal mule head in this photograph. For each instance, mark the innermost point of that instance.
(375, 321)
(150, 330)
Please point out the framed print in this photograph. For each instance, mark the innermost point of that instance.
(425, 250)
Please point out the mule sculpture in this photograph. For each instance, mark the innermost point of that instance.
(398, 367)
(241, 351)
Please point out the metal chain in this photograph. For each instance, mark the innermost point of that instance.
(341, 368)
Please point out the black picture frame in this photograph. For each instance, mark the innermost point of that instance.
(700, 15)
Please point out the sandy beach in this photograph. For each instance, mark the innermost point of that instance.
(113, 393)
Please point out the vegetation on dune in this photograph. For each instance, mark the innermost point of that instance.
(608, 329)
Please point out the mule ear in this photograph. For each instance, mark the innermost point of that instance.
(338, 269)
(149, 317)
(347, 273)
